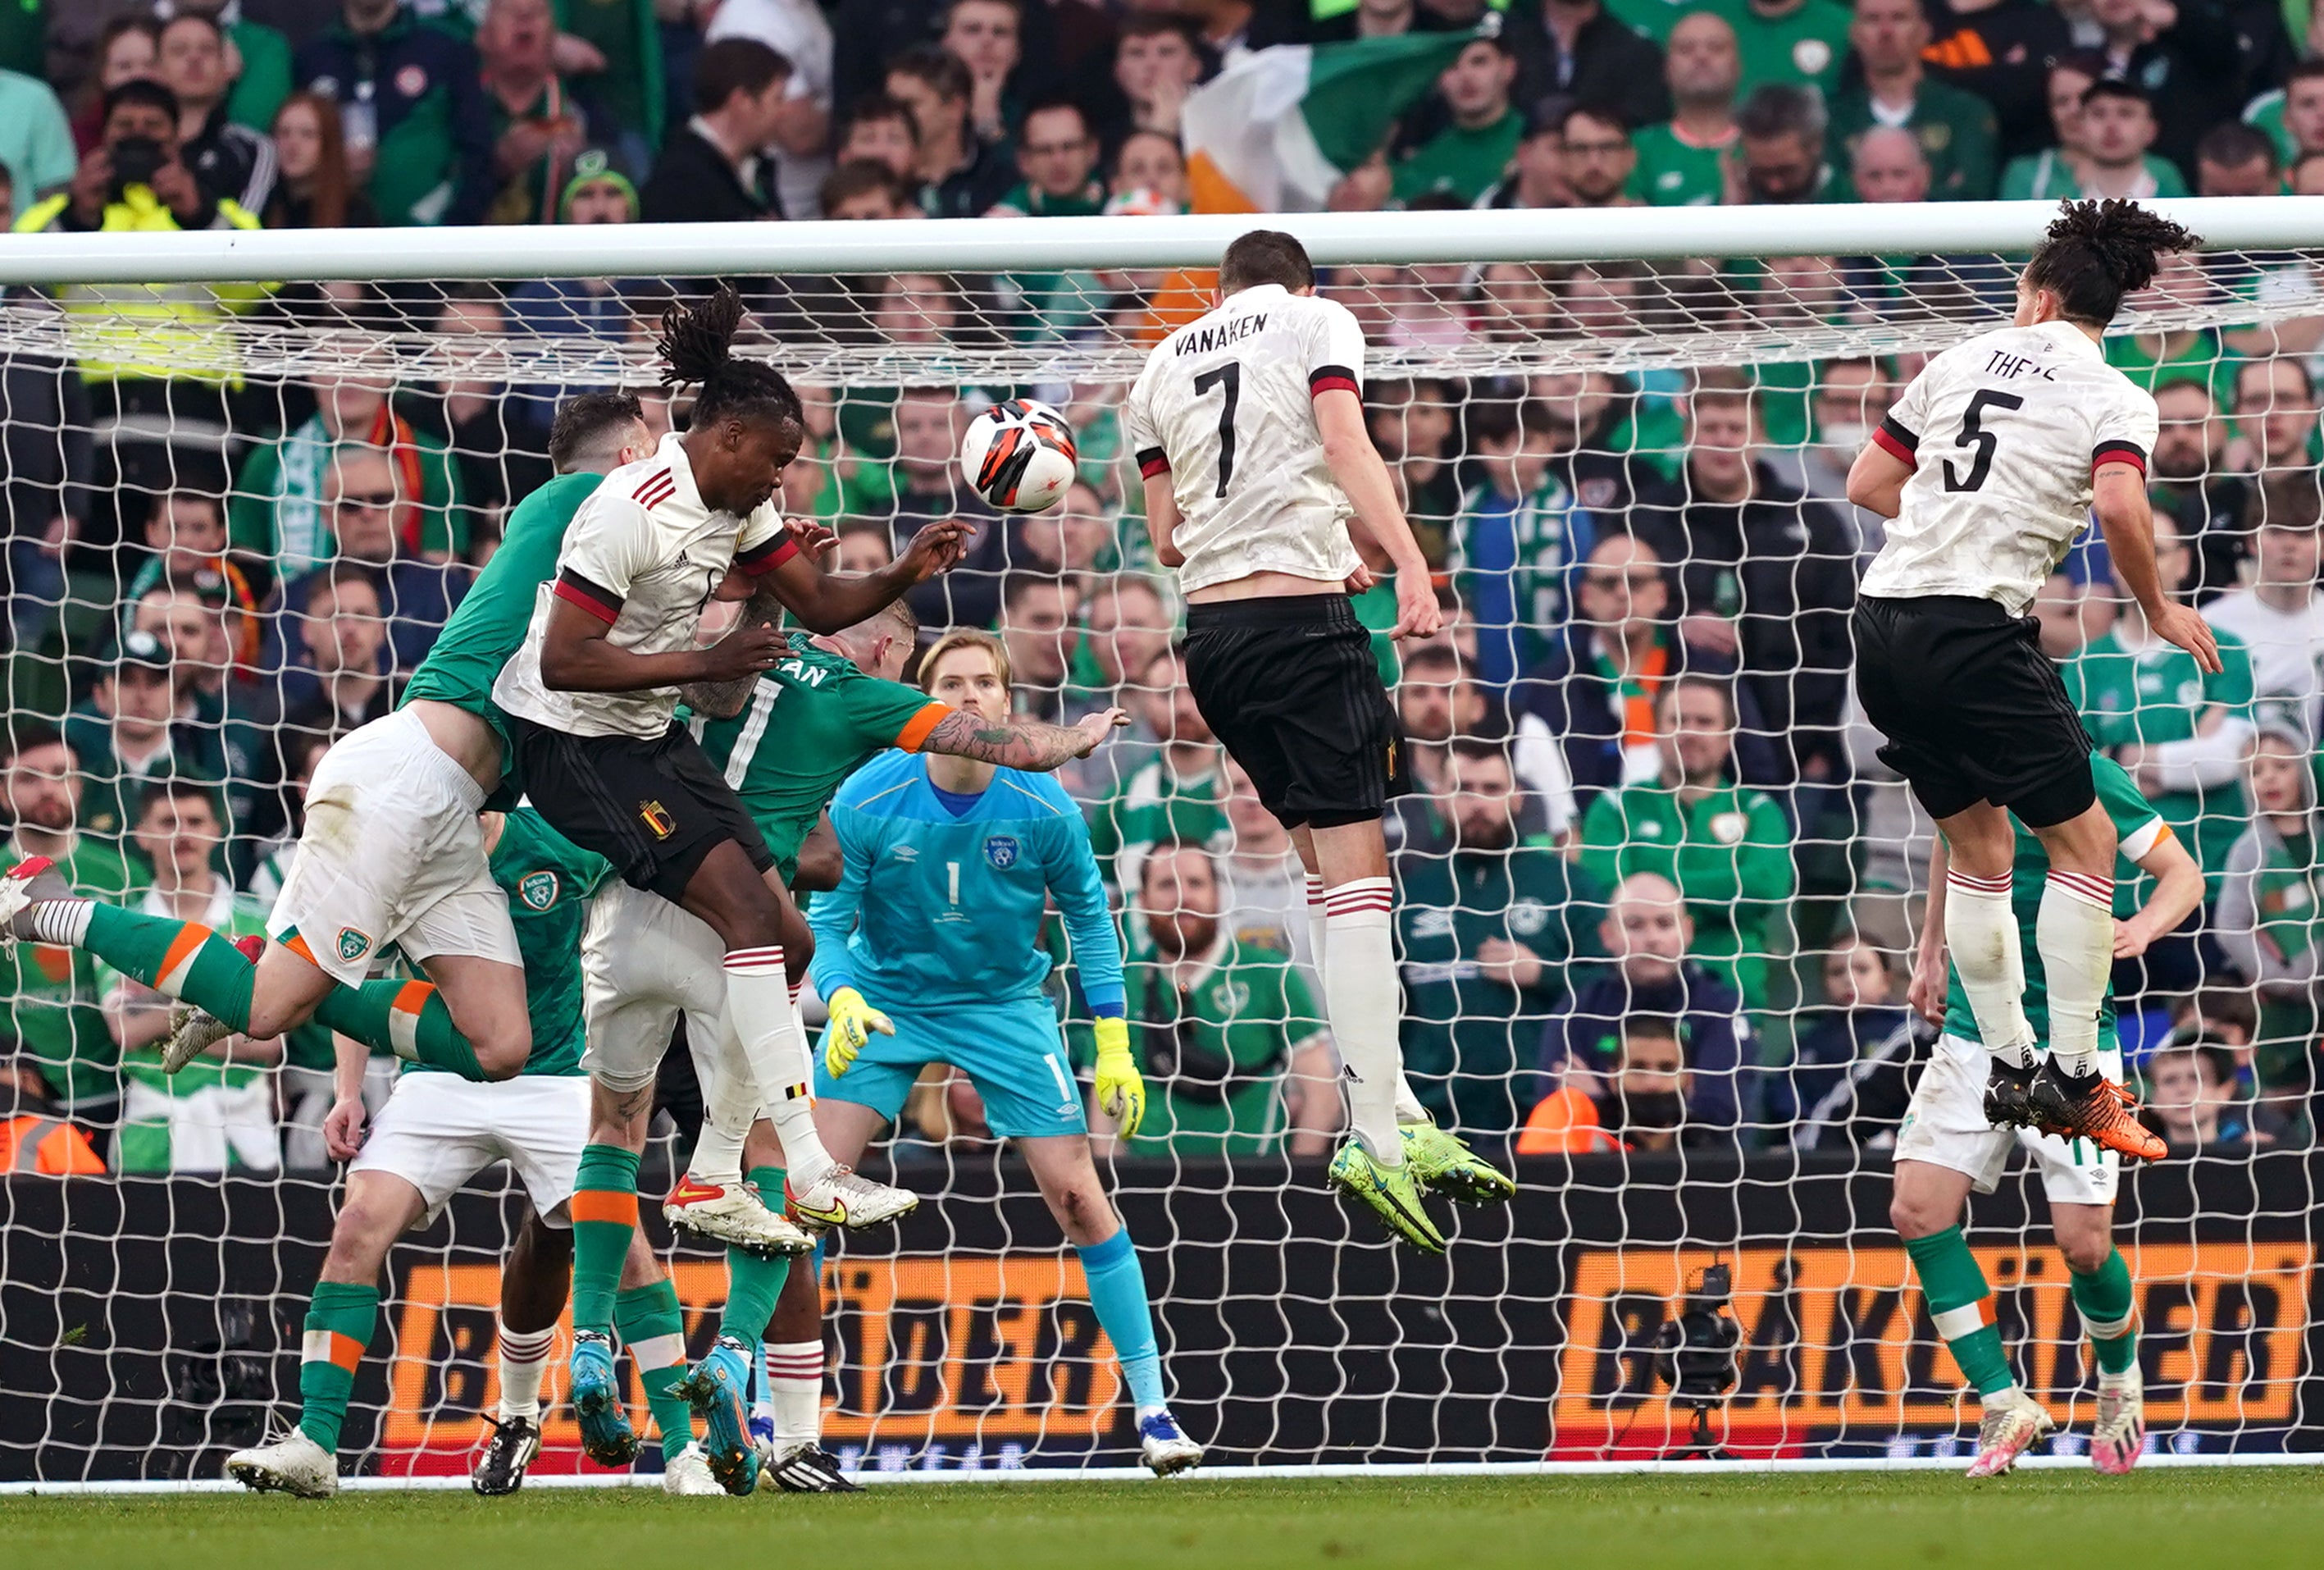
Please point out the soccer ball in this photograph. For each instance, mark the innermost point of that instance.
(1019, 455)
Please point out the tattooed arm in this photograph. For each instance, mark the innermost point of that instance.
(1027, 744)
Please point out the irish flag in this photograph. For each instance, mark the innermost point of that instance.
(1278, 128)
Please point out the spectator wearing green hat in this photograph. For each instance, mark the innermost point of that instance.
(602, 308)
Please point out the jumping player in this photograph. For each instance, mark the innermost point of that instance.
(1989, 465)
(391, 852)
(1946, 1147)
(1249, 426)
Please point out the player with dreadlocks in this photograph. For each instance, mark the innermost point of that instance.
(591, 698)
(1988, 465)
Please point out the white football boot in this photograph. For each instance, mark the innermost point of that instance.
(2120, 1432)
(295, 1464)
(733, 1212)
(846, 1199)
(2013, 1424)
(686, 1473)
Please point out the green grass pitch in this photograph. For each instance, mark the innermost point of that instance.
(2170, 1520)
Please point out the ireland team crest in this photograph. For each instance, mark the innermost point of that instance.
(353, 944)
(1001, 850)
(538, 890)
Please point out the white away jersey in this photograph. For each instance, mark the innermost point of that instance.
(1226, 406)
(2003, 432)
(643, 556)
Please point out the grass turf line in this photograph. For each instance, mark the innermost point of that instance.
(2186, 1519)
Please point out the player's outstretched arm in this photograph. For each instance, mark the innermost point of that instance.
(832, 601)
(2118, 495)
(576, 656)
(1028, 745)
(2178, 890)
(1356, 468)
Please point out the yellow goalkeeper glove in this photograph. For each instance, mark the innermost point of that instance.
(852, 1020)
(1121, 1093)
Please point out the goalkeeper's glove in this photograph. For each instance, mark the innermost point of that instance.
(852, 1020)
(1121, 1093)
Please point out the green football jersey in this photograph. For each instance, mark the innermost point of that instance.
(549, 881)
(1673, 172)
(489, 627)
(826, 720)
(53, 994)
(2138, 827)
(2152, 698)
(1213, 1052)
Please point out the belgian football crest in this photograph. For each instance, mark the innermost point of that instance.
(538, 890)
(657, 819)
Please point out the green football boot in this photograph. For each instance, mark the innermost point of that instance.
(1440, 1161)
(1390, 1191)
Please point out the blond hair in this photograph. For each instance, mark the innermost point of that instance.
(963, 637)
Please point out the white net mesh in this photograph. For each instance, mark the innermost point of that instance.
(1626, 472)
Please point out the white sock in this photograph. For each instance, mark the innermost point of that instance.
(1361, 997)
(1408, 1108)
(1981, 931)
(524, 1359)
(2073, 932)
(758, 1008)
(62, 921)
(729, 1105)
(795, 1387)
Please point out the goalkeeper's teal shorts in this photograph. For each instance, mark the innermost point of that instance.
(1012, 1053)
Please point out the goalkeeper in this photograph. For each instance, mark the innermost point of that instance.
(1947, 1145)
(930, 951)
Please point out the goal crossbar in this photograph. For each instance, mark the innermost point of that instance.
(1017, 244)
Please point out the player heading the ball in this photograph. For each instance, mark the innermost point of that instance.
(1988, 465)
(1249, 427)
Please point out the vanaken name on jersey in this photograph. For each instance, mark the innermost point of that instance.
(1201, 340)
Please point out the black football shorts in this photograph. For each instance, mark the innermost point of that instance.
(1290, 688)
(654, 808)
(1972, 710)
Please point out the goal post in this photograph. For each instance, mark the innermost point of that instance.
(1622, 437)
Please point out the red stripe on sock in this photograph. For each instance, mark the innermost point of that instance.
(2000, 885)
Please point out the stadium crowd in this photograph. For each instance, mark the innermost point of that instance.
(1656, 888)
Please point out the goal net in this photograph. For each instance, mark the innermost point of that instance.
(1658, 893)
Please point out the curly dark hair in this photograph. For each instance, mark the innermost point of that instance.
(697, 350)
(2096, 252)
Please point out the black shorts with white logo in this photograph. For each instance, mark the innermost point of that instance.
(1290, 688)
(653, 809)
(1972, 710)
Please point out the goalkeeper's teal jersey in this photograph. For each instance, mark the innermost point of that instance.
(941, 901)
(811, 722)
(2139, 828)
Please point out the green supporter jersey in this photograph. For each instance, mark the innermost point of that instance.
(2156, 360)
(1673, 172)
(1956, 129)
(1459, 161)
(2047, 177)
(549, 881)
(2139, 828)
(811, 720)
(1728, 853)
(265, 80)
(1153, 805)
(1213, 1052)
(2152, 698)
(489, 626)
(1803, 47)
(53, 994)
